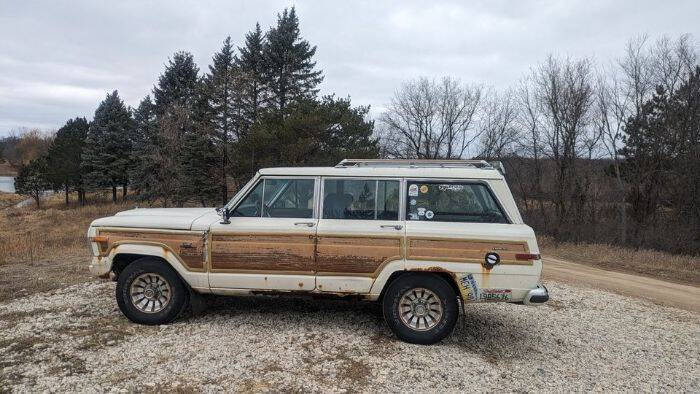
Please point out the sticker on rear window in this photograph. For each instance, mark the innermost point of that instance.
(413, 190)
(424, 189)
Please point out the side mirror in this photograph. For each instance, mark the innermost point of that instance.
(225, 214)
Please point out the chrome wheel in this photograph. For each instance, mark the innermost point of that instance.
(420, 309)
(150, 293)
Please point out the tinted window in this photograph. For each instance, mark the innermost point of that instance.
(283, 198)
(452, 202)
(360, 199)
(289, 198)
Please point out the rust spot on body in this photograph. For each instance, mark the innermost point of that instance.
(301, 284)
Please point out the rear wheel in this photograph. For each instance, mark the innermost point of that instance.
(150, 292)
(420, 308)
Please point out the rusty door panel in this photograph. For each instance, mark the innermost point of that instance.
(262, 252)
(189, 248)
(465, 250)
(354, 255)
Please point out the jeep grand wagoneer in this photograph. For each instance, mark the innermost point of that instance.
(421, 237)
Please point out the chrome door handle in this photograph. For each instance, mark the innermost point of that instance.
(307, 224)
(394, 226)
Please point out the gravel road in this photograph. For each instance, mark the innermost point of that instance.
(584, 339)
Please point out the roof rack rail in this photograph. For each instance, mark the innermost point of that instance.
(414, 163)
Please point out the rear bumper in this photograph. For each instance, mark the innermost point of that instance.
(537, 296)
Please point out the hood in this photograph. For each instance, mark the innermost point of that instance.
(160, 218)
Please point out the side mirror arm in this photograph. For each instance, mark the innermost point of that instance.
(225, 214)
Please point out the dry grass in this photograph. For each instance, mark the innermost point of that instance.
(45, 249)
(10, 199)
(660, 265)
(6, 169)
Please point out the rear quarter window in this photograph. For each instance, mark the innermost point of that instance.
(469, 202)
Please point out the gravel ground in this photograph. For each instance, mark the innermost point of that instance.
(76, 339)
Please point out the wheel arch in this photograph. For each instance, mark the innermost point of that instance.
(448, 276)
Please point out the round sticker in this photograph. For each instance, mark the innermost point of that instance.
(424, 189)
(413, 201)
(413, 190)
(429, 214)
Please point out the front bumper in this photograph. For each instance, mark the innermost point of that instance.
(537, 296)
(101, 266)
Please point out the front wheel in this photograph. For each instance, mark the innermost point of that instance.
(150, 292)
(420, 308)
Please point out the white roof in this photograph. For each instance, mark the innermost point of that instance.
(388, 172)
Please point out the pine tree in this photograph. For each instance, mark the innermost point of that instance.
(289, 73)
(107, 151)
(251, 67)
(64, 157)
(32, 181)
(177, 86)
(145, 152)
(221, 87)
(313, 133)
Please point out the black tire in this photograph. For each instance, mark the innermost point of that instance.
(440, 288)
(144, 266)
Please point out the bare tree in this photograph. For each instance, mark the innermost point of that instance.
(429, 120)
(563, 93)
(499, 126)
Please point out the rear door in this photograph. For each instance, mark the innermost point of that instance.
(269, 243)
(361, 229)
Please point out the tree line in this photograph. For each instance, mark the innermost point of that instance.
(200, 134)
(593, 152)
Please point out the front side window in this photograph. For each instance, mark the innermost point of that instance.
(360, 199)
(452, 202)
(279, 198)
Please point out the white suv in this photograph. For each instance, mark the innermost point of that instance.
(420, 236)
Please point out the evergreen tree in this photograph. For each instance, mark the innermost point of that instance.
(64, 157)
(107, 151)
(145, 152)
(251, 67)
(32, 181)
(177, 86)
(313, 133)
(289, 68)
(221, 86)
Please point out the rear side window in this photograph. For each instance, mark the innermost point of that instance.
(361, 199)
(452, 202)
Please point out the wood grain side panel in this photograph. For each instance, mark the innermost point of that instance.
(262, 252)
(359, 255)
(188, 247)
(464, 250)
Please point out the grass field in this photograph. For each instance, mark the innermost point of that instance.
(660, 265)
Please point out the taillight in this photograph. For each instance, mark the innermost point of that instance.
(527, 256)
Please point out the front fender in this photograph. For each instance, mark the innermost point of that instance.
(103, 265)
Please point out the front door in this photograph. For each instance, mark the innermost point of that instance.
(269, 243)
(360, 231)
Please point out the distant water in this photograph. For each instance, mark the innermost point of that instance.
(7, 184)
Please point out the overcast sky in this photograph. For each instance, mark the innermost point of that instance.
(59, 59)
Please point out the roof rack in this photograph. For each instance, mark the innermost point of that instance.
(414, 163)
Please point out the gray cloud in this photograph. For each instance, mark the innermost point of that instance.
(59, 59)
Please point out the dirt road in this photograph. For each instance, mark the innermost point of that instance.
(654, 290)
